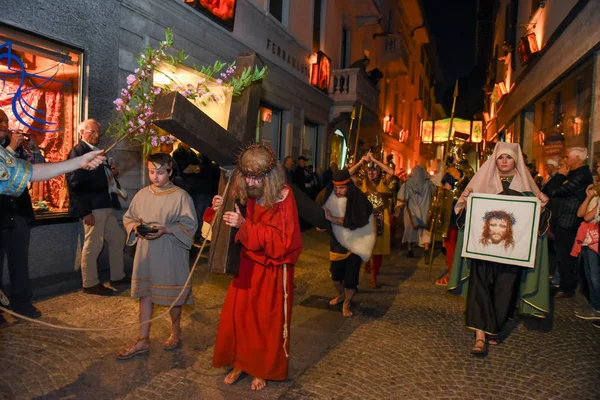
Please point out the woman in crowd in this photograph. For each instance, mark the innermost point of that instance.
(494, 290)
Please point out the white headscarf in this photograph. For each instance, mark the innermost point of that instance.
(487, 179)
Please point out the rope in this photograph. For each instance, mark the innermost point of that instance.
(118, 328)
(285, 311)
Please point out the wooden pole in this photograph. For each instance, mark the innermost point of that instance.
(357, 132)
(446, 147)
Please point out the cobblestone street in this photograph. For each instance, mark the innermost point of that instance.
(406, 341)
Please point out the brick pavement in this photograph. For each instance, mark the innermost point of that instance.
(406, 340)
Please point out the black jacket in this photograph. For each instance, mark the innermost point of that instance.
(88, 190)
(569, 193)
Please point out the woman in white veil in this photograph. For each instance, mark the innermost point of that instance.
(493, 290)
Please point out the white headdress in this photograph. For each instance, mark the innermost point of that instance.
(487, 179)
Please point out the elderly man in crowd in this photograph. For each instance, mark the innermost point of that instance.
(92, 200)
(574, 177)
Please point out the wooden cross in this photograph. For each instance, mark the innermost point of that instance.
(181, 118)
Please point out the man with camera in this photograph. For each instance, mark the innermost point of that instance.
(92, 199)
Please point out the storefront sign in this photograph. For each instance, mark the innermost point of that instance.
(222, 11)
(299, 63)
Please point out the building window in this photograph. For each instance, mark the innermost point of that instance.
(45, 77)
(268, 127)
(316, 45)
(346, 46)
(276, 9)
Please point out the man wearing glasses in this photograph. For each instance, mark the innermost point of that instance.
(92, 200)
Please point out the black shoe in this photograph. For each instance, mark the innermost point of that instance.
(410, 254)
(27, 310)
(126, 280)
(99, 290)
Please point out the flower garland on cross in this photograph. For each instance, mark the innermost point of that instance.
(134, 107)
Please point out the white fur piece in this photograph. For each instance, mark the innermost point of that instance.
(359, 241)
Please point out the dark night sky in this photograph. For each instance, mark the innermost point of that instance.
(452, 23)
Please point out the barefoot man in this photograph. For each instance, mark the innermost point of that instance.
(253, 333)
(352, 235)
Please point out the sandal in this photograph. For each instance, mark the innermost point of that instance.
(479, 350)
(171, 343)
(134, 350)
(442, 281)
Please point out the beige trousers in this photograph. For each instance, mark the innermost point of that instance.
(106, 227)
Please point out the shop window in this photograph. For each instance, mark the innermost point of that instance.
(41, 92)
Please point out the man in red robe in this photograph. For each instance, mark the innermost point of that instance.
(253, 333)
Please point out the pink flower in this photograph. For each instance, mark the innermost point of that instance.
(219, 81)
(141, 122)
(118, 102)
(157, 90)
(131, 79)
(154, 141)
(137, 70)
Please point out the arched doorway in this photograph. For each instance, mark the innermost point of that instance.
(337, 149)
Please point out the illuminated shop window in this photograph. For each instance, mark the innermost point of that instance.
(40, 91)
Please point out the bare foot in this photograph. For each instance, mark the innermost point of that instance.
(233, 376)
(346, 310)
(336, 301)
(258, 384)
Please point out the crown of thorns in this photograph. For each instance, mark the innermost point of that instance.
(500, 214)
(257, 174)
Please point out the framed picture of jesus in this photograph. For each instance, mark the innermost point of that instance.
(502, 229)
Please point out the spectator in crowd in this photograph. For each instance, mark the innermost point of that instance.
(549, 186)
(196, 174)
(302, 177)
(574, 177)
(586, 245)
(92, 200)
(288, 165)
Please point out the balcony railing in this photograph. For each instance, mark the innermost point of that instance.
(348, 86)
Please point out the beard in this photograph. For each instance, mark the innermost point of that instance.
(255, 192)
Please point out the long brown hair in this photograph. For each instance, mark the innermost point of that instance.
(257, 159)
(508, 236)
